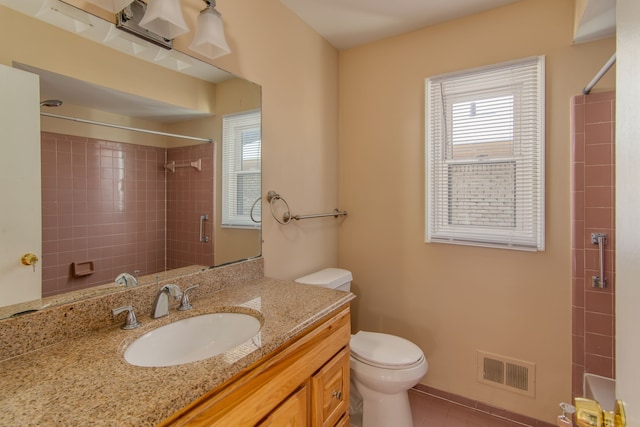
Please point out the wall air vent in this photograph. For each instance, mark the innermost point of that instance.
(509, 374)
(129, 21)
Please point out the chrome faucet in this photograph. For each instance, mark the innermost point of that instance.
(161, 306)
(127, 280)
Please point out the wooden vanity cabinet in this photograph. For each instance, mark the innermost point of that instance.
(303, 383)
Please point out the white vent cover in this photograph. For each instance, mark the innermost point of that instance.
(506, 373)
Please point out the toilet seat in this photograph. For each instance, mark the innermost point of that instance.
(385, 351)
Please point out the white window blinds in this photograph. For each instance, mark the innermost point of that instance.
(485, 156)
(241, 170)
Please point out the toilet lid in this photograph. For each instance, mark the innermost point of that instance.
(383, 349)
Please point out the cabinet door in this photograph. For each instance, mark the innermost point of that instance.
(330, 390)
(291, 413)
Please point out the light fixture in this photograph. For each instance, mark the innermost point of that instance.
(112, 6)
(209, 39)
(161, 21)
(164, 17)
(129, 20)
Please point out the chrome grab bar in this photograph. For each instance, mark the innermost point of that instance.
(203, 218)
(599, 239)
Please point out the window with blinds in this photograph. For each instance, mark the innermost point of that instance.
(241, 173)
(485, 156)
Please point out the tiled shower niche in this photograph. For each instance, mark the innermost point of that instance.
(106, 209)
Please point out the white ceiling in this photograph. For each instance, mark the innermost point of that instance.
(349, 23)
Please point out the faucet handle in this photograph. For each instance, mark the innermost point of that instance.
(127, 280)
(132, 321)
(185, 304)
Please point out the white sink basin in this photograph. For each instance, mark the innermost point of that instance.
(192, 339)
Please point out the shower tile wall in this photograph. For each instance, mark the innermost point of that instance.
(593, 202)
(103, 202)
(190, 195)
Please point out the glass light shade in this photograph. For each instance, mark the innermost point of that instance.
(164, 17)
(209, 39)
(113, 6)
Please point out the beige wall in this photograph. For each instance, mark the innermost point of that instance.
(455, 300)
(298, 72)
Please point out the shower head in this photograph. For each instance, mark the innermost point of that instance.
(51, 103)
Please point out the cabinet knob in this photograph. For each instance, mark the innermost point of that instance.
(337, 394)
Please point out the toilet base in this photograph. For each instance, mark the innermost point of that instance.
(384, 410)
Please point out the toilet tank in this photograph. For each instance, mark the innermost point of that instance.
(333, 278)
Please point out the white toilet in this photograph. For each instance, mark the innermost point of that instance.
(383, 367)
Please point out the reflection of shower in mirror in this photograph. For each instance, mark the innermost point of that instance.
(114, 84)
(172, 165)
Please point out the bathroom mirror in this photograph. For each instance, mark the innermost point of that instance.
(126, 81)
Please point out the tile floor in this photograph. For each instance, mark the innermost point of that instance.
(430, 411)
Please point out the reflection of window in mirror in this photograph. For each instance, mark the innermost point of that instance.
(241, 174)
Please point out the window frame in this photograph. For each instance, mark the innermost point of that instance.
(439, 152)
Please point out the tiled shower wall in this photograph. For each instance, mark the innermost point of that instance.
(103, 202)
(190, 196)
(593, 199)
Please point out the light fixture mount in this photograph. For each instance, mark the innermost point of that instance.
(128, 19)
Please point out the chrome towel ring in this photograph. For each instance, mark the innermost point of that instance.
(253, 206)
(272, 198)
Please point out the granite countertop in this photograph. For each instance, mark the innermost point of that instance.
(86, 381)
